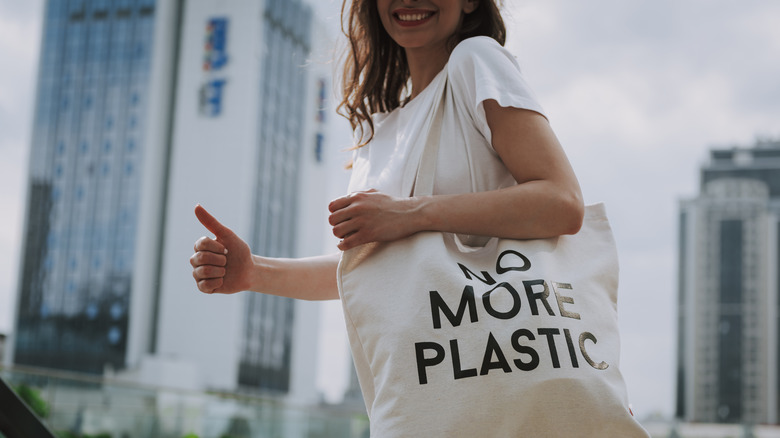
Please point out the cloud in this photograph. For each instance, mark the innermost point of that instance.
(19, 40)
(654, 83)
(11, 176)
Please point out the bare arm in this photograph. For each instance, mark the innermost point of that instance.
(546, 201)
(226, 265)
(307, 278)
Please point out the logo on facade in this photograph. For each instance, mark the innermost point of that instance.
(211, 97)
(215, 47)
(215, 58)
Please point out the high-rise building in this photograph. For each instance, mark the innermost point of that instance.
(145, 108)
(728, 307)
(96, 126)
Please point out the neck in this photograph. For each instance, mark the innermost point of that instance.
(424, 65)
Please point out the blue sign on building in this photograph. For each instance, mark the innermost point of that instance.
(211, 97)
(215, 58)
(215, 47)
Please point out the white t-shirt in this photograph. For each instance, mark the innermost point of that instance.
(479, 69)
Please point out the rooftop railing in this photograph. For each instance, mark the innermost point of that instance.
(78, 405)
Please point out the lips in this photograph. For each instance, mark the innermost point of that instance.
(412, 17)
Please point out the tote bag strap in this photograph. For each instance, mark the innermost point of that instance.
(426, 170)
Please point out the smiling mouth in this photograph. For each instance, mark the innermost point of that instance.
(408, 17)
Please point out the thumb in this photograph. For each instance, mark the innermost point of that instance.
(212, 224)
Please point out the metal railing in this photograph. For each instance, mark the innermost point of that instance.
(79, 405)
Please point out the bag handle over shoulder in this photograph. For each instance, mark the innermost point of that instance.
(426, 170)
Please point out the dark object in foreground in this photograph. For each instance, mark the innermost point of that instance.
(17, 420)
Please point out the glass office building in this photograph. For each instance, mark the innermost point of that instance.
(728, 307)
(268, 330)
(84, 184)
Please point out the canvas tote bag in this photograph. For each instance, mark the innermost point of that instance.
(518, 338)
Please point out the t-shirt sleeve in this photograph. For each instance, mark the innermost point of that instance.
(480, 69)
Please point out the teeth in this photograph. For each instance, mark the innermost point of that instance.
(414, 17)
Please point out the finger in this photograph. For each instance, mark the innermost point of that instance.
(344, 201)
(208, 272)
(212, 224)
(339, 203)
(351, 241)
(344, 229)
(202, 258)
(211, 245)
(209, 286)
(339, 217)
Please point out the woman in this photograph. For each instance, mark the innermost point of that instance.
(418, 36)
(501, 172)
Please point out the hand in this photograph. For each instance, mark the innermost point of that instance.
(371, 216)
(222, 265)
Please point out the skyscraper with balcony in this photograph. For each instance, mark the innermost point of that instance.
(728, 331)
(145, 108)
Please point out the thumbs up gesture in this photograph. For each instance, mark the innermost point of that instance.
(223, 264)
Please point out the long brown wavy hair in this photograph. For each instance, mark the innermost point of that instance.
(376, 73)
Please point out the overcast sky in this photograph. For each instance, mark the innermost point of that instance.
(636, 91)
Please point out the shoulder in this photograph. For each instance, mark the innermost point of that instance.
(477, 43)
(481, 50)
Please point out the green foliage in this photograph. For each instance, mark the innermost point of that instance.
(33, 399)
(69, 434)
(190, 435)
